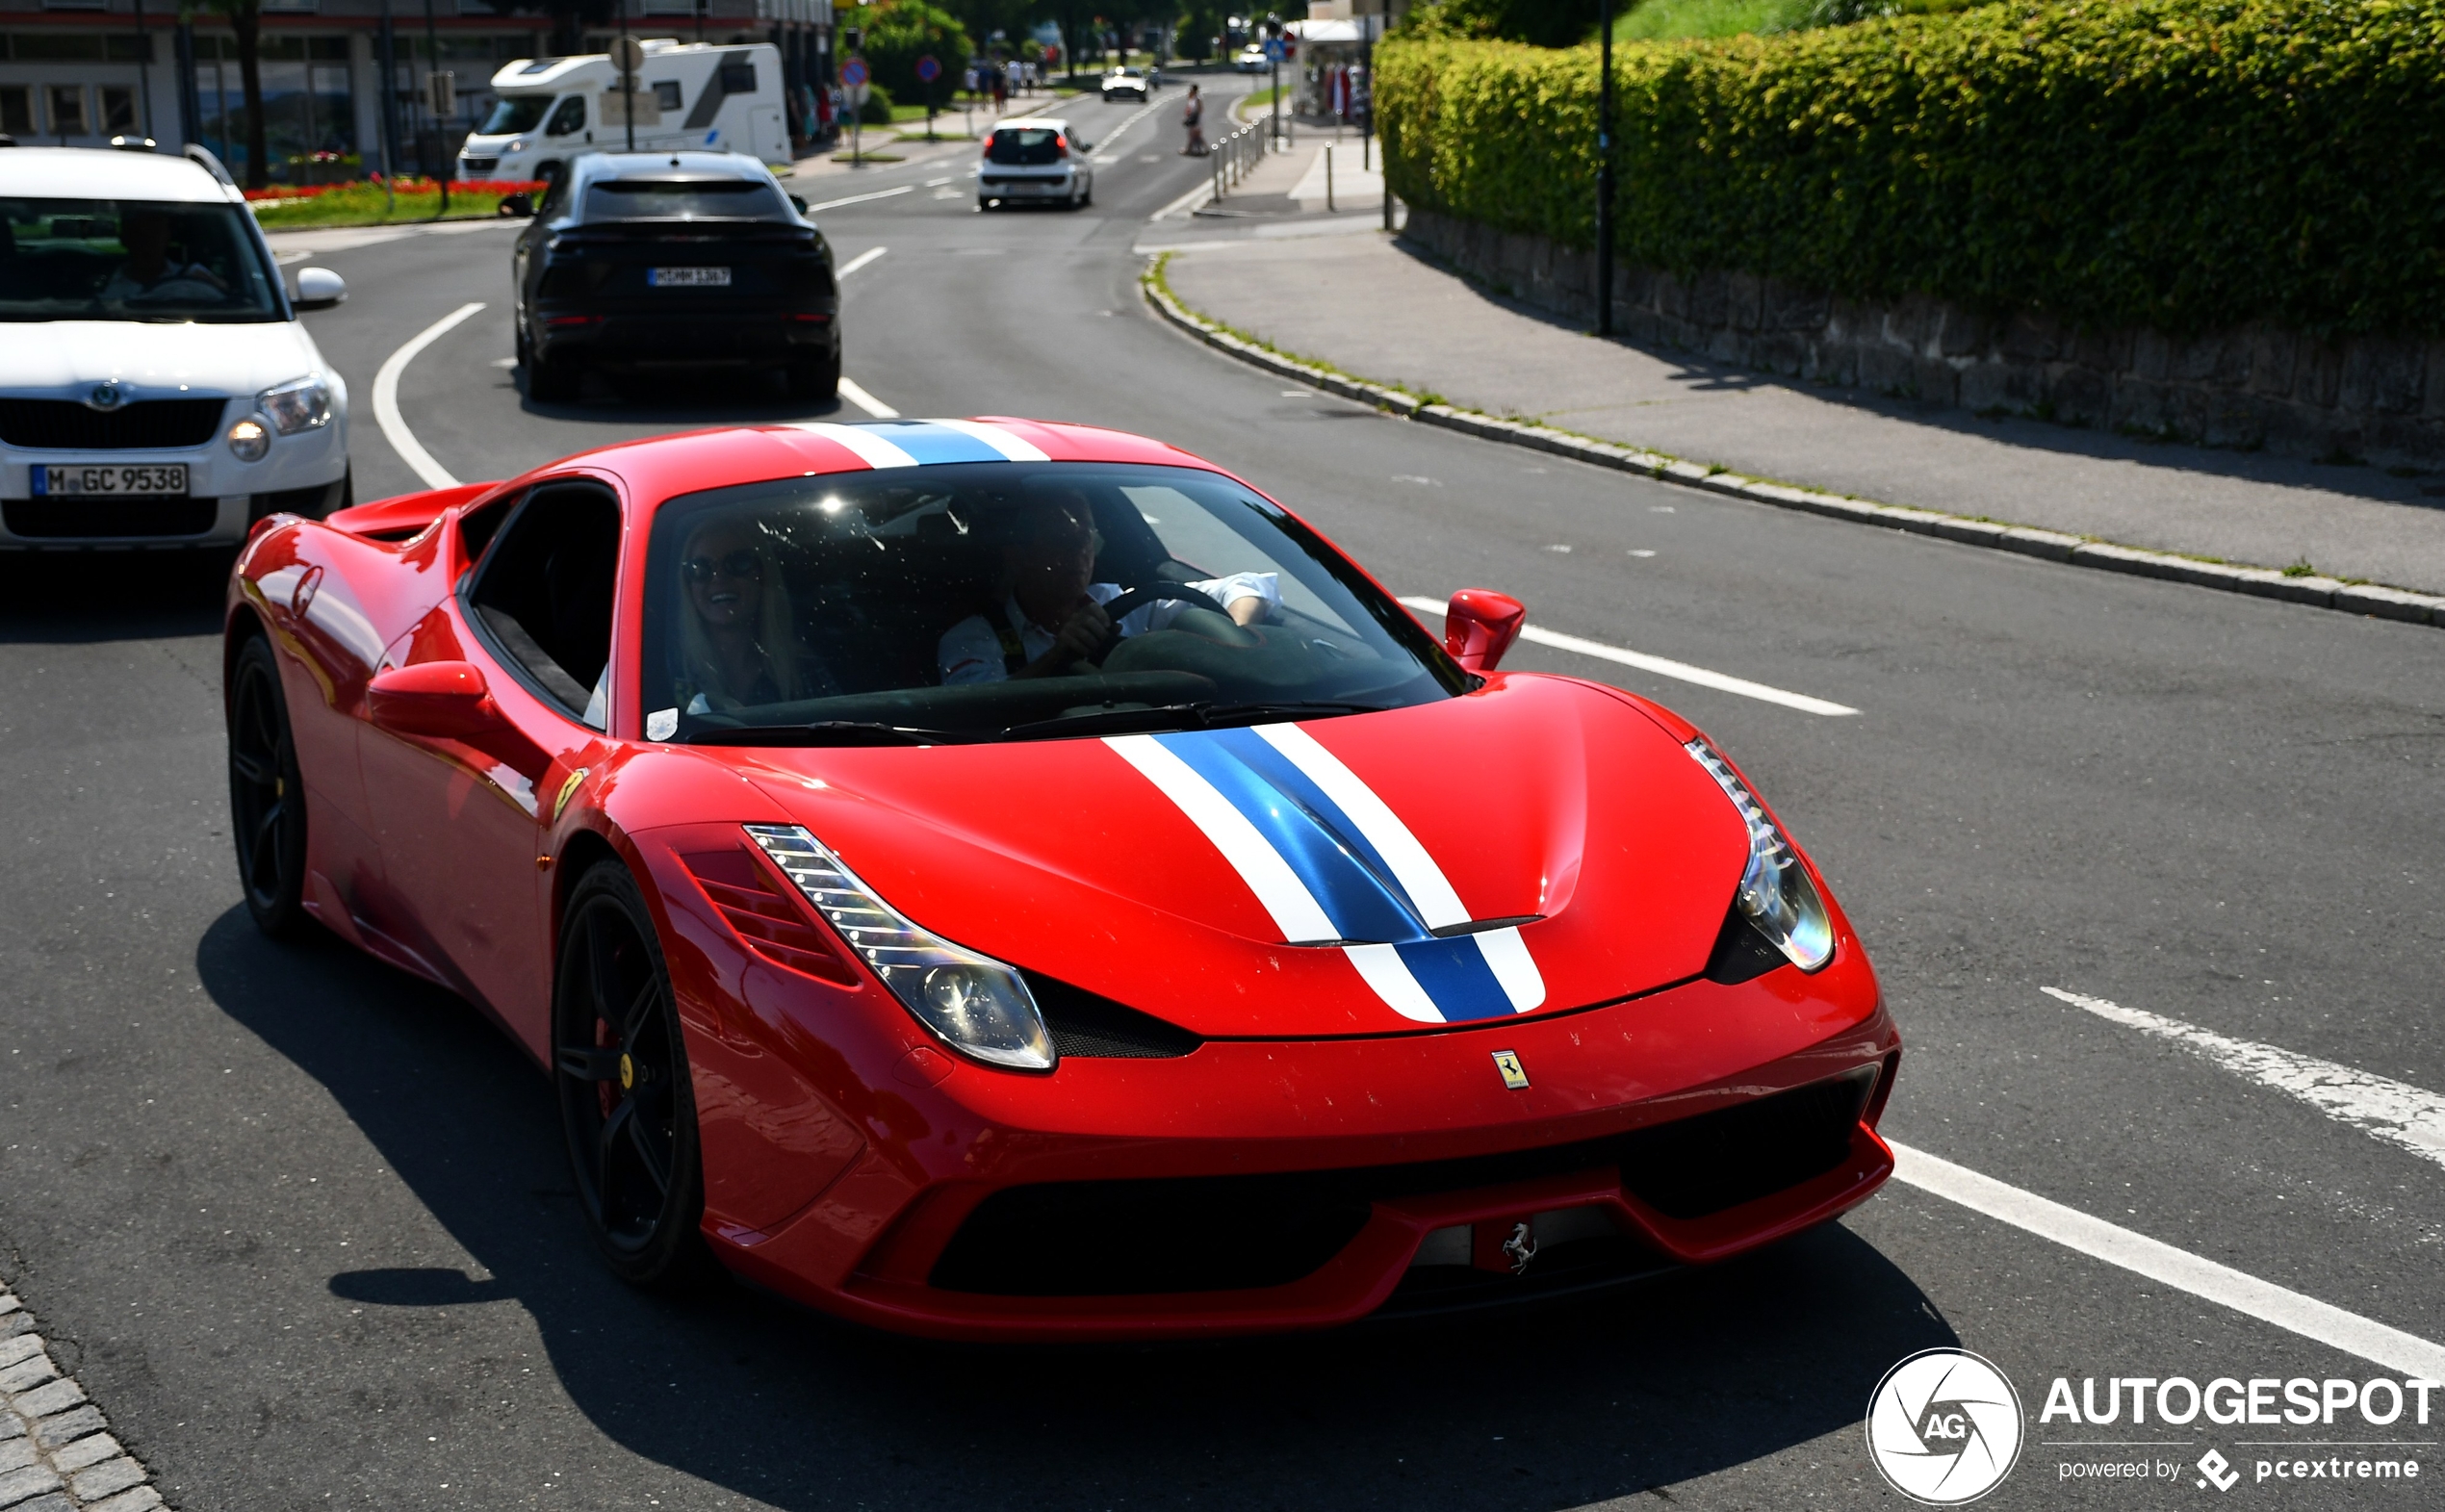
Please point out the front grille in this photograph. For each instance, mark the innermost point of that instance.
(56, 518)
(66, 425)
(480, 165)
(1233, 1233)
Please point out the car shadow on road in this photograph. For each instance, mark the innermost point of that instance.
(60, 597)
(1553, 1408)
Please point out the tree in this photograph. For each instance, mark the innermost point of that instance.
(1545, 23)
(900, 32)
(245, 20)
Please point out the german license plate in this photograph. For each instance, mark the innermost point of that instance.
(687, 277)
(52, 481)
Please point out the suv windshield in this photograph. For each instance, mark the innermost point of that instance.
(682, 199)
(1009, 601)
(515, 112)
(131, 260)
(1024, 144)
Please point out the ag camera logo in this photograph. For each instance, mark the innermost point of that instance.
(1943, 1427)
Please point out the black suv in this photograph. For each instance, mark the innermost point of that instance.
(644, 261)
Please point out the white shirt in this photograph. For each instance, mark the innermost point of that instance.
(971, 651)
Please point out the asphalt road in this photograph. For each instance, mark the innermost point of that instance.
(302, 1227)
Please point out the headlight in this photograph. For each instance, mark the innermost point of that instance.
(976, 1004)
(1775, 893)
(248, 440)
(293, 407)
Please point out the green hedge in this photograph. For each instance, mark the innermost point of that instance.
(2176, 164)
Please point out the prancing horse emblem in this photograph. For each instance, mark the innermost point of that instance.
(1521, 1246)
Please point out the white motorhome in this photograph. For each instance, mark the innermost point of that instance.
(697, 95)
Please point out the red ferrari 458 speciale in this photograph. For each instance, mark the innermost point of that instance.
(994, 879)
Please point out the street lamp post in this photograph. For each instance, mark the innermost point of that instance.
(441, 128)
(1605, 172)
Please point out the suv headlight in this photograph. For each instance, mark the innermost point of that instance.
(1775, 893)
(978, 1005)
(293, 407)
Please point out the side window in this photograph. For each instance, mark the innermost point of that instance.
(738, 76)
(569, 120)
(544, 594)
(555, 194)
(666, 94)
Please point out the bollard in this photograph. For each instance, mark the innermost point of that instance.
(1329, 179)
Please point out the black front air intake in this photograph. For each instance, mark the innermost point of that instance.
(148, 424)
(1234, 1233)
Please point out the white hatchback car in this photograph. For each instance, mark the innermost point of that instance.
(156, 388)
(1036, 158)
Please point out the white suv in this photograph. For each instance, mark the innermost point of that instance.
(156, 388)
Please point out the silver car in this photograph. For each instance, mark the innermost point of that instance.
(1038, 158)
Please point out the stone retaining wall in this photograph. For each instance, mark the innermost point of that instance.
(2377, 398)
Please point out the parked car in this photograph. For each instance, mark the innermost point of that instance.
(1241, 957)
(662, 262)
(156, 385)
(1040, 159)
(1128, 84)
(550, 111)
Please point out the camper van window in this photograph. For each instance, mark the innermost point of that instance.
(684, 199)
(570, 118)
(666, 94)
(515, 112)
(739, 77)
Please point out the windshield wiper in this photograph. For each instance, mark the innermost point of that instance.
(829, 733)
(1180, 716)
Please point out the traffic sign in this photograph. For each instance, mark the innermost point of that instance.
(928, 69)
(628, 54)
(853, 73)
(1275, 50)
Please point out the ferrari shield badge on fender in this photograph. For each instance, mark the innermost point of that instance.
(1514, 1074)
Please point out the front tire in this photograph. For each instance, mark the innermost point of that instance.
(267, 792)
(550, 380)
(620, 1066)
(819, 379)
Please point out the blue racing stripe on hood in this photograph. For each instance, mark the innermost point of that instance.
(1455, 974)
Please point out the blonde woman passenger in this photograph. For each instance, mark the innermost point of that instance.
(738, 642)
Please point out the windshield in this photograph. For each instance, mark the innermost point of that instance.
(1005, 601)
(1024, 144)
(130, 260)
(682, 199)
(515, 112)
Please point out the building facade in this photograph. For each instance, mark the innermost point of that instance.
(78, 72)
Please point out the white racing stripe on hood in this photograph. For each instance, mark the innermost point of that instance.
(1295, 910)
(872, 448)
(1011, 445)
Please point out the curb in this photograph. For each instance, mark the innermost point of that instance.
(2054, 546)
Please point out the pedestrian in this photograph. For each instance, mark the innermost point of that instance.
(1001, 91)
(1193, 116)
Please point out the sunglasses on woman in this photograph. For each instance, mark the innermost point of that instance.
(741, 563)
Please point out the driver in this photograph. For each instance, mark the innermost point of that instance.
(1053, 615)
(148, 272)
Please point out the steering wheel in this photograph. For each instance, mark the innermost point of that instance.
(1156, 592)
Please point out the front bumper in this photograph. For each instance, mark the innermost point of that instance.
(1254, 1186)
(301, 473)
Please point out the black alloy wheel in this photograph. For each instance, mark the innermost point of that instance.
(621, 1070)
(267, 792)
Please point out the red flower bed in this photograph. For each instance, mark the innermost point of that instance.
(403, 185)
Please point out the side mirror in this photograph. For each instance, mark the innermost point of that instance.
(798, 202)
(518, 206)
(1480, 625)
(1084, 146)
(320, 289)
(437, 699)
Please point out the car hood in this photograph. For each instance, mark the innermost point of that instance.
(63, 359)
(1537, 846)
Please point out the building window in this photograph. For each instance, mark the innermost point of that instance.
(16, 110)
(118, 111)
(67, 108)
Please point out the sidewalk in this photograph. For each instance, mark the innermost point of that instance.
(1367, 305)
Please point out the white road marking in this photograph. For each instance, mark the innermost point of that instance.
(2178, 1269)
(860, 199)
(2398, 1112)
(1662, 666)
(867, 402)
(386, 400)
(861, 261)
(936, 183)
(1117, 132)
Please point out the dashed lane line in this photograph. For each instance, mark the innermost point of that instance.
(860, 199)
(873, 406)
(2286, 1309)
(1662, 666)
(386, 400)
(2398, 1112)
(861, 261)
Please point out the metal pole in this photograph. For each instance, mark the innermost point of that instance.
(144, 69)
(433, 65)
(191, 111)
(1605, 172)
(388, 61)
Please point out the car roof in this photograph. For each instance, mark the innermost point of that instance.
(670, 165)
(1034, 122)
(107, 173)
